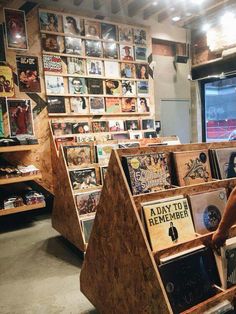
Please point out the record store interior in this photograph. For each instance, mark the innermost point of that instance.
(117, 157)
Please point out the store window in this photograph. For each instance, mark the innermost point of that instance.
(219, 112)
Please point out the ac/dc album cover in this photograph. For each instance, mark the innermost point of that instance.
(56, 104)
(192, 167)
(80, 127)
(83, 179)
(128, 88)
(64, 141)
(140, 36)
(93, 48)
(95, 67)
(75, 66)
(52, 43)
(109, 32)
(142, 88)
(73, 45)
(207, 209)
(87, 202)
(113, 87)
(100, 126)
(16, 31)
(110, 50)
(140, 53)
(52, 64)
(54, 84)
(20, 117)
(79, 105)
(135, 135)
(150, 134)
(6, 81)
(103, 172)
(92, 29)
(148, 124)
(147, 173)
(61, 128)
(143, 105)
(113, 105)
(125, 34)
(2, 47)
(28, 74)
(87, 225)
(104, 153)
(142, 71)
(77, 85)
(132, 125)
(126, 53)
(78, 155)
(97, 105)
(112, 69)
(116, 125)
(128, 104)
(73, 25)
(127, 70)
(50, 22)
(95, 86)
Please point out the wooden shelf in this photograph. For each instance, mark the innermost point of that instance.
(19, 209)
(17, 148)
(20, 179)
(95, 95)
(98, 114)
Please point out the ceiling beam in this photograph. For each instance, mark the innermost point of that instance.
(117, 5)
(135, 7)
(97, 4)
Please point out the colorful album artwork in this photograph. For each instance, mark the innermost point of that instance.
(127, 70)
(110, 50)
(78, 155)
(56, 104)
(20, 117)
(128, 88)
(109, 32)
(28, 74)
(113, 105)
(143, 105)
(83, 179)
(50, 22)
(128, 104)
(73, 45)
(126, 53)
(52, 43)
(116, 125)
(142, 71)
(6, 81)
(16, 32)
(148, 124)
(132, 125)
(52, 64)
(113, 87)
(62, 128)
(100, 126)
(95, 68)
(79, 105)
(54, 84)
(77, 85)
(73, 25)
(97, 105)
(142, 88)
(93, 48)
(140, 36)
(75, 66)
(92, 29)
(140, 53)
(87, 202)
(126, 34)
(80, 127)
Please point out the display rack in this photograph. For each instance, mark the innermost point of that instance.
(119, 249)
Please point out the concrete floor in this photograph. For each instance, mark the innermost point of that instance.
(39, 270)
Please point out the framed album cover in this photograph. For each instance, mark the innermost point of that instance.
(95, 67)
(113, 105)
(112, 69)
(28, 74)
(52, 64)
(52, 43)
(100, 126)
(92, 29)
(126, 53)
(125, 34)
(128, 104)
(113, 87)
(110, 50)
(127, 70)
(142, 88)
(6, 81)
(95, 86)
(140, 36)
(54, 84)
(56, 104)
(142, 71)
(80, 127)
(109, 31)
(128, 88)
(73, 45)
(79, 105)
(75, 66)
(77, 85)
(143, 105)
(73, 25)
(140, 53)
(16, 32)
(97, 105)
(50, 22)
(93, 48)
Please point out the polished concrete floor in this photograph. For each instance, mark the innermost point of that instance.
(39, 270)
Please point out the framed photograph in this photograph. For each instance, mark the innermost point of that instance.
(83, 179)
(128, 104)
(52, 43)
(3, 104)
(132, 125)
(50, 22)
(78, 155)
(142, 88)
(28, 74)
(2, 46)
(95, 67)
(79, 105)
(148, 124)
(143, 105)
(92, 29)
(80, 127)
(140, 36)
(126, 34)
(56, 104)
(77, 85)
(116, 125)
(62, 128)
(110, 50)
(127, 70)
(103, 172)
(6, 81)
(73, 45)
(75, 66)
(93, 48)
(87, 225)
(52, 64)
(108, 31)
(113, 105)
(142, 71)
(113, 87)
(151, 134)
(20, 117)
(73, 25)
(126, 53)
(54, 84)
(97, 105)
(95, 86)
(16, 32)
(112, 69)
(128, 88)
(87, 202)
(100, 126)
(140, 53)
(135, 135)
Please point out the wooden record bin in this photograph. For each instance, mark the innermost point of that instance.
(120, 273)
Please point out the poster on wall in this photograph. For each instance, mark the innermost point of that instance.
(20, 117)
(2, 46)
(6, 81)
(28, 74)
(16, 32)
(2, 106)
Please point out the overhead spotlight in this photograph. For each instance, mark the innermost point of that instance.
(176, 18)
(206, 27)
(154, 3)
(227, 18)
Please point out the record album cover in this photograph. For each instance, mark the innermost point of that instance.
(140, 53)
(52, 64)
(100, 126)
(128, 88)
(75, 66)
(93, 48)
(97, 105)
(64, 141)
(135, 135)
(73, 45)
(140, 36)
(141, 71)
(113, 105)
(132, 125)
(78, 155)
(52, 43)
(87, 202)
(104, 153)
(6, 81)
(126, 53)
(143, 105)
(79, 105)
(56, 104)
(148, 124)
(61, 128)
(92, 29)
(112, 69)
(142, 88)
(125, 34)
(110, 50)
(80, 127)
(50, 22)
(128, 104)
(54, 84)
(150, 134)
(226, 160)
(73, 25)
(127, 70)
(77, 85)
(95, 68)
(95, 86)
(113, 87)
(83, 179)
(109, 31)
(116, 125)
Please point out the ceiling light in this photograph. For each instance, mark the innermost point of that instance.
(176, 18)
(227, 18)
(188, 14)
(198, 1)
(206, 27)
(154, 3)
